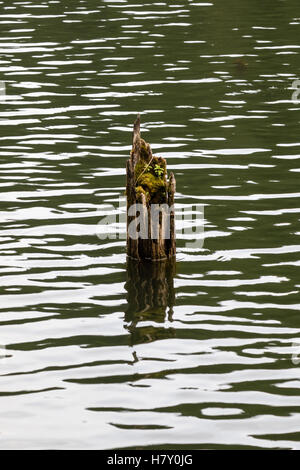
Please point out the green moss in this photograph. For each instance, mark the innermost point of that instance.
(150, 181)
(139, 168)
(139, 191)
(154, 186)
(150, 176)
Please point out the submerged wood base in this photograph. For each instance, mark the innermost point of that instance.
(150, 298)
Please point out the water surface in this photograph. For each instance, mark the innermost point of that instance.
(90, 358)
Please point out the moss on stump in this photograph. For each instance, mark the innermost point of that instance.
(151, 176)
(147, 184)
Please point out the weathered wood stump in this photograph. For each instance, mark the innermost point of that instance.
(150, 203)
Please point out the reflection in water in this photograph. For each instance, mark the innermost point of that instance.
(150, 297)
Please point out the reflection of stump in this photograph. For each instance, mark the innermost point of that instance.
(150, 203)
(150, 295)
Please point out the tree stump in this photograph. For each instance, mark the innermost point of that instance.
(150, 203)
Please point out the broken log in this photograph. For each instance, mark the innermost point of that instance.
(150, 203)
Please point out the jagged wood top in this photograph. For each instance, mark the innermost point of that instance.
(136, 141)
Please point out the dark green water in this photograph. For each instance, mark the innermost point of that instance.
(83, 365)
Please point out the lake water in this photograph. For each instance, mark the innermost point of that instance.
(87, 360)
